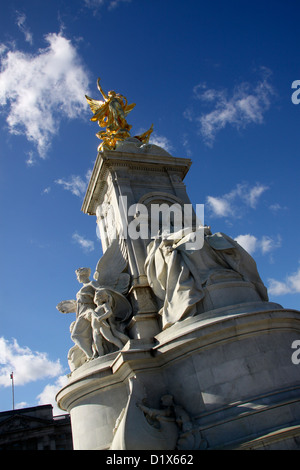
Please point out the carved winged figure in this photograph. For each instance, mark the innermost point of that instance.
(112, 282)
(111, 114)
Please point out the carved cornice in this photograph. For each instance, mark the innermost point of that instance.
(108, 161)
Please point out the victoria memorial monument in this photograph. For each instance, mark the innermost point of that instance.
(176, 344)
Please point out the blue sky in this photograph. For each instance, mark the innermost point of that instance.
(215, 79)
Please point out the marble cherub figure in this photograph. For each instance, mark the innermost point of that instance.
(107, 336)
(104, 294)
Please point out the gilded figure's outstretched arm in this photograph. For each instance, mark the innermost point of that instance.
(101, 90)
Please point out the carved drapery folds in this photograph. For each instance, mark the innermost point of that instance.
(181, 277)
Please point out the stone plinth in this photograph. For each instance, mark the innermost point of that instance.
(230, 369)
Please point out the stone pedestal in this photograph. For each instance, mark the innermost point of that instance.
(231, 370)
(221, 377)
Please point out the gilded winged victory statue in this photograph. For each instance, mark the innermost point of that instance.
(111, 114)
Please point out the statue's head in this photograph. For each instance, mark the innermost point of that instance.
(167, 400)
(112, 93)
(102, 297)
(82, 274)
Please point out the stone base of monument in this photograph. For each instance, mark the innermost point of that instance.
(221, 379)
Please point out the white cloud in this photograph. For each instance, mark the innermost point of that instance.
(86, 245)
(291, 285)
(21, 404)
(276, 207)
(246, 105)
(186, 144)
(3, 49)
(47, 396)
(20, 20)
(31, 159)
(114, 3)
(254, 194)
(252, 244)
(111, 4)
(278, 287)
(161, 141)
(94, 3)
(30, 366)
(220, 206)
(75, 183)
(268, 244)
(46, 190)
(232, 203)
(27, 365)
(42, 89)
(248, 242)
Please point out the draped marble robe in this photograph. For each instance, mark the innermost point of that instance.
(177, 272)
